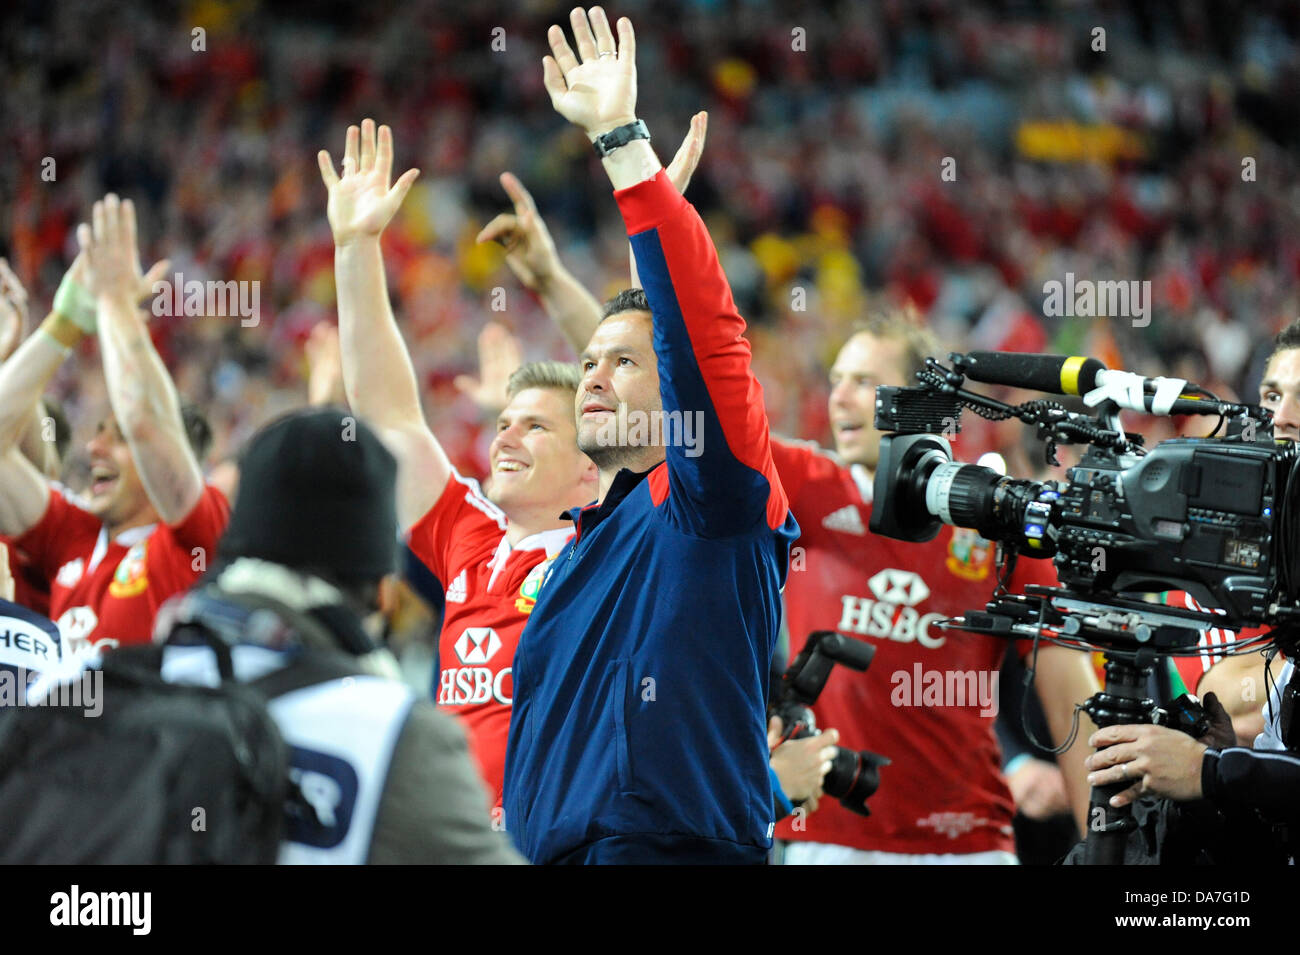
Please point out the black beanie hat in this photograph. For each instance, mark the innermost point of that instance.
(317, 491)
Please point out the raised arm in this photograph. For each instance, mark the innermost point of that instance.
(1065, 679)
(531, 253)
(13, 329)
(140, 390)
(720, 472)
(324, 367)
(24, 375)
(377, 373)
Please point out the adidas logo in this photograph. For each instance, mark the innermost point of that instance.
(846, 519)
(458, 591)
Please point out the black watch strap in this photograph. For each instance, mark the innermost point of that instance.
(606, 143)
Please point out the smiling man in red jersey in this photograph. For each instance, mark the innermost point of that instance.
(490, 551)
(149, 524)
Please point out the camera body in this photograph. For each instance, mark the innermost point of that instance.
(1204, 515)
(853, 776)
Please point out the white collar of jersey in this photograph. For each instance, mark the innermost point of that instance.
(551, 541)
(863, 479)
(128, 538)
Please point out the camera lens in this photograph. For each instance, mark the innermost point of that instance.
(853, 777)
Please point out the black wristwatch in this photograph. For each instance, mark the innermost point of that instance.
(606, 143)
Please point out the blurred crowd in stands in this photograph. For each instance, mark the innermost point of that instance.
(1148, 141)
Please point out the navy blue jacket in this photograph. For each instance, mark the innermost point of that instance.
(638, 731)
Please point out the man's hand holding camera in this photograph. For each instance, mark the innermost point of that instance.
(801, 764)
(1157, 760)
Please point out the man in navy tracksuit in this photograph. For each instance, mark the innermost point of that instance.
(638, 731)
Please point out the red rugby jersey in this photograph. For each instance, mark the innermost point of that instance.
(1192, 668)
(105, 593)
(491, 588)
(943, 792)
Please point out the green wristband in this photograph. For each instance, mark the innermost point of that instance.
(76, 303)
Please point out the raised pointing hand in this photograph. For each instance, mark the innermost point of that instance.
(530, 250)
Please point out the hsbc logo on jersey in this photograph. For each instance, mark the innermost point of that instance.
(899, 587)
(477, 645)
(475, 682)
(892, 614)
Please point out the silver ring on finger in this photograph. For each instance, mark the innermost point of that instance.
(606, 53)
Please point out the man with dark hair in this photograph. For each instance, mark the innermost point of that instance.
(1239, 681)
(628, 300)
(638, 733)
(920, 813)
(1279, 389)
(1261, 774)
(490, 551)
(150, 523)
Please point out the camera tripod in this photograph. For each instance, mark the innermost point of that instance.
(1122, 700)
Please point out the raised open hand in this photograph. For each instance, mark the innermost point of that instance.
(361, 202)
(499, 354)
(109, 253)
(595, 89)
(688, 155)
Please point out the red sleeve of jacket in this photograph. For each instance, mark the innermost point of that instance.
(721, 476)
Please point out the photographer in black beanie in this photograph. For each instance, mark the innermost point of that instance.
(383, 777)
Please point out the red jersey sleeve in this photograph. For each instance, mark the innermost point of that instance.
(1191, 669)
(59, 535)
(186, 548)
(794, 462)
(720, 472)
(460, 521)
